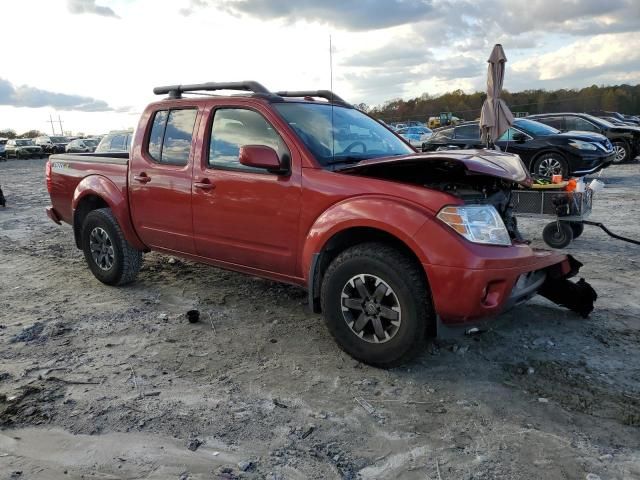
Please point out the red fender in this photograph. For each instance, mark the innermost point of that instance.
(397, 217)
(97, 185)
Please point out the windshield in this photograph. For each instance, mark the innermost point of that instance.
(535, 128)
(601, 122)
(58, 139)
(90, 142)
(22, 143)
(354, 135)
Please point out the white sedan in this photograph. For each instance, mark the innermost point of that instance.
(415, 135)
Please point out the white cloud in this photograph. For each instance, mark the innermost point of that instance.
(89, 6)
(383, 49)
(610, 54)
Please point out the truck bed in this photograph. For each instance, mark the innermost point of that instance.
(69, 169)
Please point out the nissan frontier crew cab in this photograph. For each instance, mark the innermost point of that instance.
(302, 188)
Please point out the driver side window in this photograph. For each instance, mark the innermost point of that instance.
(580, 124)
(233, 128)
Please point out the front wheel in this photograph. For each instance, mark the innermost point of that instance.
(110, 257)
(549, 164)
(621, 152)
(376, 304)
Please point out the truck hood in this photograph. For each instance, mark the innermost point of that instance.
(492, 163)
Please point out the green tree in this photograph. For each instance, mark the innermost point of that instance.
(31, 134)
(7, 133)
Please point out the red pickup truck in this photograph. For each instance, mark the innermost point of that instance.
(301, 187)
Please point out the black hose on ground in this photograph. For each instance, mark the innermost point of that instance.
(609, 232)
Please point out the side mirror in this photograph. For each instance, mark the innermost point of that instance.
(519, 137)
(261, 156)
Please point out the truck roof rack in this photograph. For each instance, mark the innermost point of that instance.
(326, 94)
(175, 91)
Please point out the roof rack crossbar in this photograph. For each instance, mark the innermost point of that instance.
(326, 94)
(175, 91)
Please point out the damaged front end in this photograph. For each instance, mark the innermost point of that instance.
(485, 177)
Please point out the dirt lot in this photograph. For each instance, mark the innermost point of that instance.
(101, 382)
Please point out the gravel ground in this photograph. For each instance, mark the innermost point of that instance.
(109, 383)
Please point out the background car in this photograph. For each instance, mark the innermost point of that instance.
(416, 136)
(23, 148)
(615, 121)
(625, 139)
(3, 147)
(52, 144)
(630, 119)
(543, 149)
(81, 145)
(116, 141)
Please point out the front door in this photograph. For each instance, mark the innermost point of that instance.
(242, 215)
(160, 181)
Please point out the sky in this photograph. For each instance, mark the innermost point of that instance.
(94, 63)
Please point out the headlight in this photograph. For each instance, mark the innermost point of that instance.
(476, 223)
(580, 145)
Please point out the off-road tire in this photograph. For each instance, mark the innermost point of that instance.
(627, 152)
(550, 156)
(126, 259)
(407, 280)
(558, 234)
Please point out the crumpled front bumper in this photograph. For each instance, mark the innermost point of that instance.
(464, 295)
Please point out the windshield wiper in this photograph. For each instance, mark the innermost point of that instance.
(345, 162)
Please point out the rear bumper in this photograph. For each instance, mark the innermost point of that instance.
(53, 215)
(464, 295)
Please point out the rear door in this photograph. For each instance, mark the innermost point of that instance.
(160, 179)
(555, 122)
(242, 215)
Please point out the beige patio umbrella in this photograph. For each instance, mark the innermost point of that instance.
(495, 117)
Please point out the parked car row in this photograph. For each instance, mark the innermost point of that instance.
(39, 147)
(22, 148)
(625, 138)
(544, 150)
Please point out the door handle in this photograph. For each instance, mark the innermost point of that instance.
(142, 178)
(204, 185)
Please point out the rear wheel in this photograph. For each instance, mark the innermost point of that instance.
(376, 305)
(577, 228)
(549, 164)
(110, 257)
(621, 152)
(558, 234)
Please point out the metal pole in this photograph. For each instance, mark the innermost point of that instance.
(53, 131)
(60, 121)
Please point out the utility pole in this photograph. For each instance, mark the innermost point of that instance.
(51, 122)
(60, 121)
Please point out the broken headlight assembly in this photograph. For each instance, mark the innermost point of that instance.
(476, 223)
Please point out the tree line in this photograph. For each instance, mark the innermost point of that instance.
(617, 98)
(10, 133)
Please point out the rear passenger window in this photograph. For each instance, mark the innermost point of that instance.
(171, 136)
(117, 143)
(555, 122)
(470, 132)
